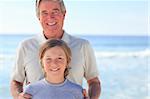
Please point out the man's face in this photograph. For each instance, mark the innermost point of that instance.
(51, 18)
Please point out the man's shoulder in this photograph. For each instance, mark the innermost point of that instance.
(30, 41)
(78, 39)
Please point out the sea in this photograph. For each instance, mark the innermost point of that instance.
(123, 63)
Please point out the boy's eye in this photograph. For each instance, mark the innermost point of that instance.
(59, 58)
(48, 59)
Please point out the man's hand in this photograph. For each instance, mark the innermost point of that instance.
(24, 96)
(17, 90)
(85, 95)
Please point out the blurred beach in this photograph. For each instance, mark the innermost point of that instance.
(123, 63)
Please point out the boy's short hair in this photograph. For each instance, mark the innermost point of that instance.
(53, 43)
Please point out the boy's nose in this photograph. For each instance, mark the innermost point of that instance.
(53, 64)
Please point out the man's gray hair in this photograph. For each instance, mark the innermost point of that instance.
(61, 2)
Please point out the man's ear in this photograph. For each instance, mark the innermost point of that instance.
(39, 18)
(64, 13)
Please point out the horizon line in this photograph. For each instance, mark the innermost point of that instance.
(71, 34)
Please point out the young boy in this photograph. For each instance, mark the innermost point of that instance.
(55, 57)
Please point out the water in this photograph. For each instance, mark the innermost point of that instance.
(118, 43)
(122, 62)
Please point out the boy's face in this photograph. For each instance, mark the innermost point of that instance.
(54, 62)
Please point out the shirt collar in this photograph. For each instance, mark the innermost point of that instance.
(42, 39)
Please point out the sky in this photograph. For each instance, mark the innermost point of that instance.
(83, 17)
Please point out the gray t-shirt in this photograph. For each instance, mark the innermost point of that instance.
(44, 90)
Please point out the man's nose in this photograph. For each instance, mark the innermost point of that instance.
(51, 15)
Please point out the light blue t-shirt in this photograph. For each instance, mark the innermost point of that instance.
(44, 90)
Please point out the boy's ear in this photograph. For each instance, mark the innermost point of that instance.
(40, 61)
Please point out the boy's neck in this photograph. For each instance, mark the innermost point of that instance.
(55, 80)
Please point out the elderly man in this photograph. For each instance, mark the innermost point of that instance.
(51, 14)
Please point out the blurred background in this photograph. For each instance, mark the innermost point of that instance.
(118, 30)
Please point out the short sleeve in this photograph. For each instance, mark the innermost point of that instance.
(91, 69)
(18, 70)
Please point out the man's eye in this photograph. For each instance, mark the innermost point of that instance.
(56, 12)
(44, 13)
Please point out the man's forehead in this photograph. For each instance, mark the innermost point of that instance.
(37, 1)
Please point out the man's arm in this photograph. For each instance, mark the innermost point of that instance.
(94, 88)
(17, 90)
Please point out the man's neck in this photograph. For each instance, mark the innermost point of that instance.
(57, 36)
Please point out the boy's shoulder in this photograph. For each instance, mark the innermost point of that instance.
(34, 87)
(73, 85)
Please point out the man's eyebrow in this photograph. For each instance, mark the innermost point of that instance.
(56, 9)
(43, 11)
